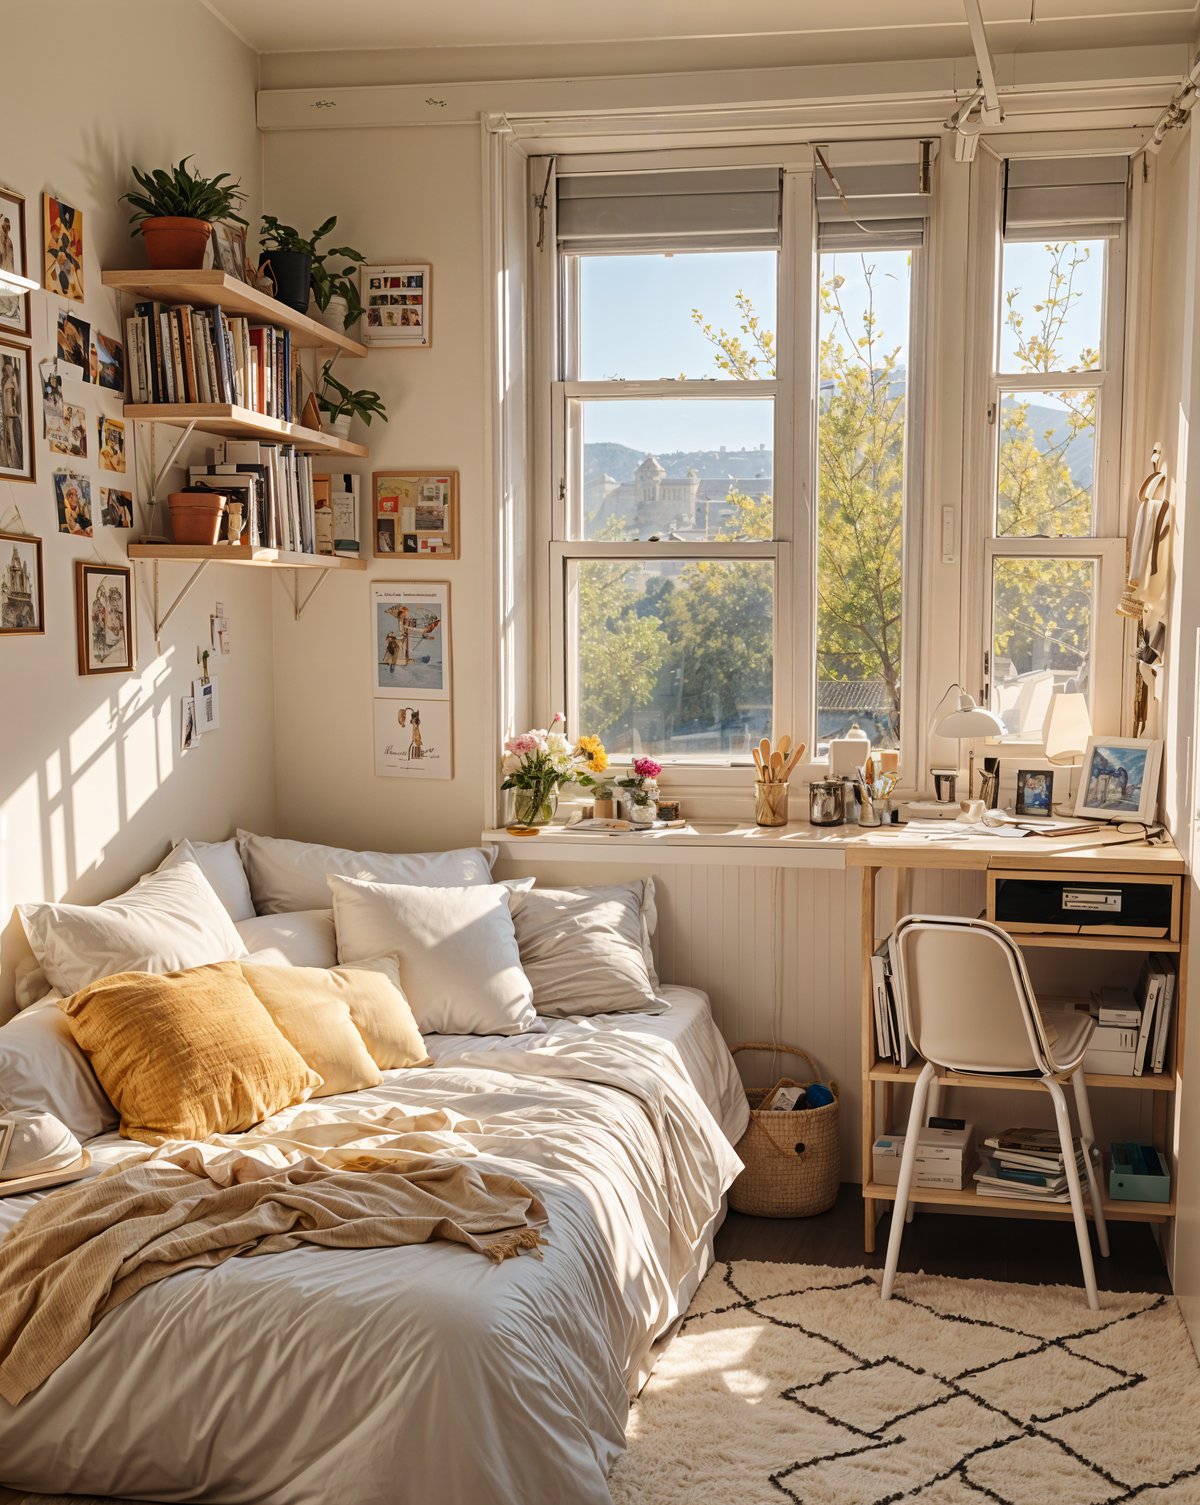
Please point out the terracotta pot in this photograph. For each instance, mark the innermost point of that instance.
(196, 516)
(174, 243)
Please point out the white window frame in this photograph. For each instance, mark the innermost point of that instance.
(1104, 546)
(793, 548)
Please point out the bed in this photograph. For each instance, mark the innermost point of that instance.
(425, 1373)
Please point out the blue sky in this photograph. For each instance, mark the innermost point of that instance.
(636, 323)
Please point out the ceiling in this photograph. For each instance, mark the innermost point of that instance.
(653, 34)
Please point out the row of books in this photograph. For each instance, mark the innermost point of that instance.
(337, 515)
(1133, 1025)
(1026, 1163)
(181, 354)
(274, 483)
(891, 1041)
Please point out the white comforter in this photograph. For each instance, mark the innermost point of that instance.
(425, 1373)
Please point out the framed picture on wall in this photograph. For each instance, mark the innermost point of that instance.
(17, 461)
(1035, 791)
(14, 307)
(397, 305)
(410, 639)
(1119, 780)
(415, 513)
(412, 739)
(229, 250)
(22, 600)
(104, 617)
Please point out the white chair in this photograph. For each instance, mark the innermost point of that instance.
(968, 1006)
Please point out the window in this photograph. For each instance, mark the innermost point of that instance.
(727, 340)
(1053, 567)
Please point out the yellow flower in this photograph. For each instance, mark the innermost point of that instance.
(592, 750)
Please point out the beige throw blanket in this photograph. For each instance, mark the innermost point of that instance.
(84, 1250)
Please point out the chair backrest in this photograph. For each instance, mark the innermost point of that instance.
(965, 996)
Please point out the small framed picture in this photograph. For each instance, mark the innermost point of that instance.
(397, 305)
(229, 250)
(14, 307)
(17, 462)
(104, 617)
(22, 599)
(1035, 791)
(415, 513)
(62, 248)
(1120, 780)
(410, 635)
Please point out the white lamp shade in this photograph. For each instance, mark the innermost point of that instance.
(970, 720)
(1068, 727)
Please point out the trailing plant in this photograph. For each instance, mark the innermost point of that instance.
(183, 194)
(327, 281)
(335, 399)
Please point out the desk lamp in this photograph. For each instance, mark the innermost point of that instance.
(967, 720)
(1066, 732)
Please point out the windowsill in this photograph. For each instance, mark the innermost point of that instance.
(797, 844)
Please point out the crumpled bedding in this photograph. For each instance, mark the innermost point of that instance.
(421, 1373)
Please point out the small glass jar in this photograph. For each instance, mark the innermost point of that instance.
(770, 803)
(827, 802)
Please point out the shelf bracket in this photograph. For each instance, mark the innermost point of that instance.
(171, 458)
(298, 603)
(161, 620)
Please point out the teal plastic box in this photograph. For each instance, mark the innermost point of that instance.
(1139, 1173)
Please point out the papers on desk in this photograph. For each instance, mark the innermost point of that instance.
(938, 831)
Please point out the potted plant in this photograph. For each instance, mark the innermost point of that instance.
(335, 290)
(174, 210)
(339, 403)
(641, 791)
(296, 267)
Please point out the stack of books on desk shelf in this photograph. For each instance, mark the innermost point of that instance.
(1131, 1031)
(1026, 1163)
(890, 1040)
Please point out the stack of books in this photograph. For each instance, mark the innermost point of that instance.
(181, 354)
(891, 1042)
(274, 482)
(1026, 1163)
(1133, 1027)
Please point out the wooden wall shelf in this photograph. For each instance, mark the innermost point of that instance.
(221, 553)
(242, 423)
(205, 289)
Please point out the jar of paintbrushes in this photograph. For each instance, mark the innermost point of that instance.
(774, 765)
(873, 790)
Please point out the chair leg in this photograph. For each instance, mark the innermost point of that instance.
(1088, 1135)
(932, 1109)
(1067, 1142)
(908, 1164)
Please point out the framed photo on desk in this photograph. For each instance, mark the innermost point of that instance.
(1119, 780)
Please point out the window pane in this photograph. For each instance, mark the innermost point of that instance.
(676, 468)
(1042, 613)
(1046, 464)
(864, 318)
(693, 314)
(1052, 306)
(672, 656)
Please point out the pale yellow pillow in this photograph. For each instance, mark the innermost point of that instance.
(186, 1054)
(309, 1004)
(381, 1013)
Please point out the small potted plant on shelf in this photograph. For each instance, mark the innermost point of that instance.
(335, 290)
(641, 791)
(174, 210)
(296, 268)
(537, 762)
(338, 404)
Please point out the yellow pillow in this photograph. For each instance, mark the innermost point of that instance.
(380, 1012)
(309, 1005)
(187, 1054)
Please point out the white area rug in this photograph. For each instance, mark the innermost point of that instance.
(796, 1383)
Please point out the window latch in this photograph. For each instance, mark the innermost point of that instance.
(991, 412)
(562, 490)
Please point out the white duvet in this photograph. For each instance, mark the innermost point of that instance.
(424, 1374)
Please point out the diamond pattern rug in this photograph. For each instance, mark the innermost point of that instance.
(795, 1383)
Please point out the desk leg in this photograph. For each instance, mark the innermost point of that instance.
(868, 1050)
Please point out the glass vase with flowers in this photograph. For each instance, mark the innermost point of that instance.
(641, 791)
(538, 762)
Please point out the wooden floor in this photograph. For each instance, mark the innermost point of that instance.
(1033, 1251)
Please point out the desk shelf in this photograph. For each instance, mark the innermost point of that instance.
(946, 1196)
(888, 1071)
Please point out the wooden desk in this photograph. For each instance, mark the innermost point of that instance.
(1084, 856)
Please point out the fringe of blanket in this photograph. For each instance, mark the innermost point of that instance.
(508, 1245)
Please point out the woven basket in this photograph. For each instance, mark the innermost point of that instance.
(793, 1163)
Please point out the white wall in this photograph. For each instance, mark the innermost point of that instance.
(92, 783)
(399, 195)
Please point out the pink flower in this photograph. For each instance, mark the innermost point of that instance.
(525, 743)
(646, 768)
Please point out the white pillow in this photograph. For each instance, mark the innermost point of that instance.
(584, 950)
(289, 875)
(221, 864)
(305, 939)
(459, 964)
(43, 1070)
(169, 920)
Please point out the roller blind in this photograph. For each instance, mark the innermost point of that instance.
(885, 187)
(732, 208)
(1045, 196)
